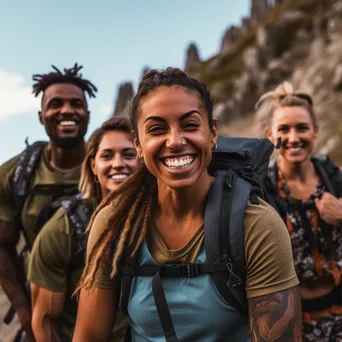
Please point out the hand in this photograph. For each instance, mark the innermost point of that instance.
(329, 208)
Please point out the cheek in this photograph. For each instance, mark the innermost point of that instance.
(132, 164)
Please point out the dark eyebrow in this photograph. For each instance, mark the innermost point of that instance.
(183, 117)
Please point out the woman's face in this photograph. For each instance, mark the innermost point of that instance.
(114, 161)
(174, 137)
(297, 132)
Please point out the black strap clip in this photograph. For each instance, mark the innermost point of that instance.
(190, 270)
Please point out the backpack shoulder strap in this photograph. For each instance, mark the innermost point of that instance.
(79, 212)
(273, 172)
(329, 172)
(224, 235)
(21, 181)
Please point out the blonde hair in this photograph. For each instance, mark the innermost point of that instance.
(285, 96)
(87, 186)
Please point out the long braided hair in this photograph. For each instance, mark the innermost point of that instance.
(132, 203)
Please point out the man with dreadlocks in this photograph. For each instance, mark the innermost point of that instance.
(33, 183)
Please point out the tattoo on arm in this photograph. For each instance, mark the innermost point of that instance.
(276, 317)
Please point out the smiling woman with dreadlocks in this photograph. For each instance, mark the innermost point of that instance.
(154, 235)
(32, 182)
(312, 188)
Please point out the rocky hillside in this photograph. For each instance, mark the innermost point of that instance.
(299, 41)
(295, 40)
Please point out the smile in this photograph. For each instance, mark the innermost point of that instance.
(295, 149)
(181, 162)
(118, 176)
(67, 123)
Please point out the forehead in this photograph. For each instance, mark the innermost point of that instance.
(170, 102)
(64, 91)
(291, 115)
(116, 140)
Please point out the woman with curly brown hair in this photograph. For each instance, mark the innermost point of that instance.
(158, 216)
(312, 188)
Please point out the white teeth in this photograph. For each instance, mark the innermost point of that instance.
(68, 123)
(119, 176)
(179, 162)
(295, 149)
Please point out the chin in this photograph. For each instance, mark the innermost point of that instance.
(67, 142)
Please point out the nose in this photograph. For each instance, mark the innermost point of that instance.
(175, 140)
(118, 162)
(67, 108)
(293, 136)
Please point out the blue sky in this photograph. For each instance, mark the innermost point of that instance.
(112, 39)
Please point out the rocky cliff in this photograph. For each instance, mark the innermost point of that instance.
(295, 40)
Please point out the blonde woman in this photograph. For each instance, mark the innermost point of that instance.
(312, 187)
(57, 257)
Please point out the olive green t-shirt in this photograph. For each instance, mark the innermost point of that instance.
(43, 174)
(268, 252)
(49, 268)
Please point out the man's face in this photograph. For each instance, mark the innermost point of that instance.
(64, 114)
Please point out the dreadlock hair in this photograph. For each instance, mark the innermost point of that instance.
(87, 186)
(72, 76)
(133, 202)
(285, 96)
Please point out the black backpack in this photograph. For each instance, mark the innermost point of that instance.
(240, 168)
(21, 183)
(79, 212)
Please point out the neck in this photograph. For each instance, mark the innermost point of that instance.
(66, 158)
(186, 202)
(301, 171)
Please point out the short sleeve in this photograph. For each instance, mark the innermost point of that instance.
(6, 199)
(103, 280)
(268, 252)
(51, 254)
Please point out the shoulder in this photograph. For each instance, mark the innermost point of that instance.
(264, 227)
(9, 166)
(55, 239)
(99, 225)
(59, 223)
(261, 213)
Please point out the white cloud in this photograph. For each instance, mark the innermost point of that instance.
(106, 109)
(16, 96)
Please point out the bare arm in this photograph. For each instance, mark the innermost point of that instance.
(47, 306)
(12, 276)
(276, 317)
(96, 315)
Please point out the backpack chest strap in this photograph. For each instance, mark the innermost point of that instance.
(175, 270)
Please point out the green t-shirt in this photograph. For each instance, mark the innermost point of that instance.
(49, 268)
(43, 174)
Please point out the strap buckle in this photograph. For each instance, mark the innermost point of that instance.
(190, 270)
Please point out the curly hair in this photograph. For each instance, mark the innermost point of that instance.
(71, 75)
(132, 204)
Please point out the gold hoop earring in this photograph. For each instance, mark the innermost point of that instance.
(96, 180)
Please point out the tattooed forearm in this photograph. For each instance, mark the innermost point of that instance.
(276, 317)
